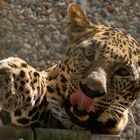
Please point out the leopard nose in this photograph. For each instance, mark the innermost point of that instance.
(99, 94)
(95, 94)
(97, 82)
(91, 93)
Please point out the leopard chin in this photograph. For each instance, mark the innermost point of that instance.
(80, 115)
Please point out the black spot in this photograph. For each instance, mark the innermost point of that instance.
(42, 116)
(131, 89)
(36, 102)
(32, 85)
(35, 116)
(115, 57)
(106, 33)
(31, 112)
(42, 88)
(58, 90)
(117, 98)
(24, 65)
(65, 61)
(36, 74)
(22, 74)
(125, 104)
(38, 89)
(68, 50)
(35, 81)
(50, 89)
(49, 78)
(13, 65)
(15, 85)
(47, 116)
(35, 124)
(5, 117)
(63, 79)
(130, 54)
(126, 96)
(14, 76)
(139, 63)
(124, 42)
(28, 91)
(17, 79)
(6, 80)
(7, 95)
(43, 103)
(28, 99)
(15, 104)
(22, 82)
(64, 88)
(23, 120)
(21, 88)
(17, 113)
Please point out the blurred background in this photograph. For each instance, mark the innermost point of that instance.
(34, 30)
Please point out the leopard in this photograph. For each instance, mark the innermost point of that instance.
(93, 87)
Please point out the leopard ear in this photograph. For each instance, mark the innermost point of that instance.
(79, 24)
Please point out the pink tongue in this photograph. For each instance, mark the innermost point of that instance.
(83, 102)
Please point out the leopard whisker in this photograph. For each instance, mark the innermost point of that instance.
(118, 107)
(113, 114)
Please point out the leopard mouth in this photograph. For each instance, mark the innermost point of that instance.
(82, 102)
(80, 115)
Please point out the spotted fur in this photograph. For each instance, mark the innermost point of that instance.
(101, 61)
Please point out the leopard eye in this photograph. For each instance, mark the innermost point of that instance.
(122, 72)
(89, 53)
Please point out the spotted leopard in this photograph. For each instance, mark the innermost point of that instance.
(93, 87)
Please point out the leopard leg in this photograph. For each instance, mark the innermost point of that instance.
(60, 114)
(5, 118)
(8, 98)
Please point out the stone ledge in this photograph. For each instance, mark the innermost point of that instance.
(57, 134)
(16, 133)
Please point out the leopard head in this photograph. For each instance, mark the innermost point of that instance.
(103, 69)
